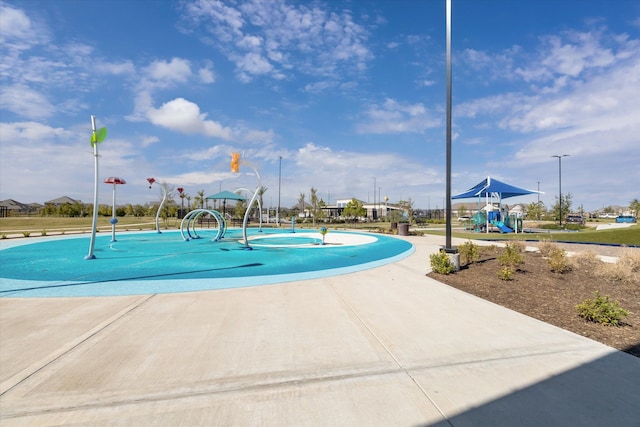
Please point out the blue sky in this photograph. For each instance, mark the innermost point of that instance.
(345, 92)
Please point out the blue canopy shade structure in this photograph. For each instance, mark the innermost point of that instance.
(493, 188)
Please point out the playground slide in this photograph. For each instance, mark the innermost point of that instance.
(502, 227)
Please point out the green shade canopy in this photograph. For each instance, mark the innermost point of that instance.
(226, 195)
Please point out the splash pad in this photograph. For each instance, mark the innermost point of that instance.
(149, 262)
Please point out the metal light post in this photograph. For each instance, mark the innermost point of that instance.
(560, 184)
(448, 247)
(279, 184)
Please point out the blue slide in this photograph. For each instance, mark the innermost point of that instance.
(502, 227)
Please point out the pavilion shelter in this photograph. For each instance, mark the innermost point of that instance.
(224, 196)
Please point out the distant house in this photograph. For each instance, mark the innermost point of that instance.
(306, 213)
(61, 201)
(518, 209)
(13, 207)
(373, 210)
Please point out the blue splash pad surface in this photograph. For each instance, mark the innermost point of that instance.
(146, 263)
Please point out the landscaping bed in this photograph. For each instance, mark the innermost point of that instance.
(536, 291)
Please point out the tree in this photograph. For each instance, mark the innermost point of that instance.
(567, 202)
(139, 210)
(240, 208)
(462, 210)
(320, 211)
(407, 207)
(64, 209)
(354, 210)
(535, 210)
(199, 199)
(394, 216)
(634, 207)
(261, 192)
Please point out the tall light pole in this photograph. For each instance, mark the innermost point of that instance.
(560, 183)
(279, 184)
(448, 248)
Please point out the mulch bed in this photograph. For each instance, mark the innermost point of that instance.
(551, 297)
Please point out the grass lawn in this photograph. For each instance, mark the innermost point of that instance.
(616, 236)
(36, 225)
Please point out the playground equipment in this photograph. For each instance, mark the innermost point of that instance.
(187, 226)
(97, 136)
(235, 167)
(164, 198)
(115, 181)
(489, 216)
(259, 206)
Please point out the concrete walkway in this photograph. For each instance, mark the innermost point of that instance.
(383, 347)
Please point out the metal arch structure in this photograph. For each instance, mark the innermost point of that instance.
(187, 226)
(257, 200)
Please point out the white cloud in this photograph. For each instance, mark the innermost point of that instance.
(200, 178)
(19, 32)
(347, 173)
(42, 162)
(206, 75)
(581, 51)
(185, 116)
(25, 102)
(253, 64)
(395, 117)
(115, 68)
(30, 132)
(276, 38)
(608, 98)
(149, 140)
(320, 86)
(163, 73)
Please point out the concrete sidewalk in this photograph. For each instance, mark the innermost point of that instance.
(383, 347)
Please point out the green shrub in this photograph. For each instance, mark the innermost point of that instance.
(469, 252)
(26, 233)
(506, 273)
(441, 264)
(43, 232)
(4, 236)
(557, 261)
(511, 255)
(602, 310)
